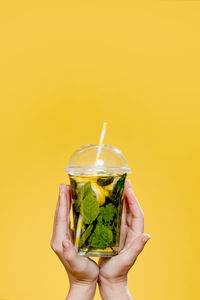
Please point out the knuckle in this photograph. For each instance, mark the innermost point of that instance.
(138, 248)
(126, 261)
(67, 256)
(56, 247)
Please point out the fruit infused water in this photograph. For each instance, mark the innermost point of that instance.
(97, 190)
(97, 211)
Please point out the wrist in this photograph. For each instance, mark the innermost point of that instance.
(116, 288)
(81, 289)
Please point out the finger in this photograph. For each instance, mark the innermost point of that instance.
(133, 206)
(124, 212)
(132, 200)
(123, 230)
(129, 255)
(130, 237)
(60, 222)
(127, 184)
(70, 231)
(56, 212)
(72, 260)
(69, 202)
(129, 215)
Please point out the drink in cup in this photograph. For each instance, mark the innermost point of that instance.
(97, 188)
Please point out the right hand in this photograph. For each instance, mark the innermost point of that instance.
(82, 271)
(113, 271)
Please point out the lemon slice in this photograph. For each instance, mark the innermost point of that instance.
(99, 192)
(81, 179)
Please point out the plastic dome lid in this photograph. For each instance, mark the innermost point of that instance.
(111, 161)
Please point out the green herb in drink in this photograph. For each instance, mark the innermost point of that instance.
(109, 213)
(73, 188)
(85, 235)
(100, 220)
(103, 181)
(82, 192)
(101, 237)
(89, 208)
(118, 190)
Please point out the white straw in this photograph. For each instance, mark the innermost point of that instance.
(103, 132)
(80, 219)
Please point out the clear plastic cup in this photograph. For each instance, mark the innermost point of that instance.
(97, 199)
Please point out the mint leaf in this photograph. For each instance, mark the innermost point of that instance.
(73, 188)
(89, 208)
(85, 235)
(109, 213)
(86, 188)
(103, 181)
(82, 192)
(118, 190)
(101, 237)
(100, 215)
(106, 214)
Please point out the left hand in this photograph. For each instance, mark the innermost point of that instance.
(113, 271)
(82, 271)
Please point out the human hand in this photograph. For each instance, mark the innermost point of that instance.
(113, 271)
(82, 271)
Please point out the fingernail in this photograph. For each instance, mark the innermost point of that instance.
(146, 237)
(66, 244)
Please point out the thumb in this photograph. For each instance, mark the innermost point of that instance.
(70, 254)
(136, 247)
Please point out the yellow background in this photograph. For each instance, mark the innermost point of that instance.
(67, 66)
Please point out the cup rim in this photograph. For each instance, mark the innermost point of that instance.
(90, 170)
